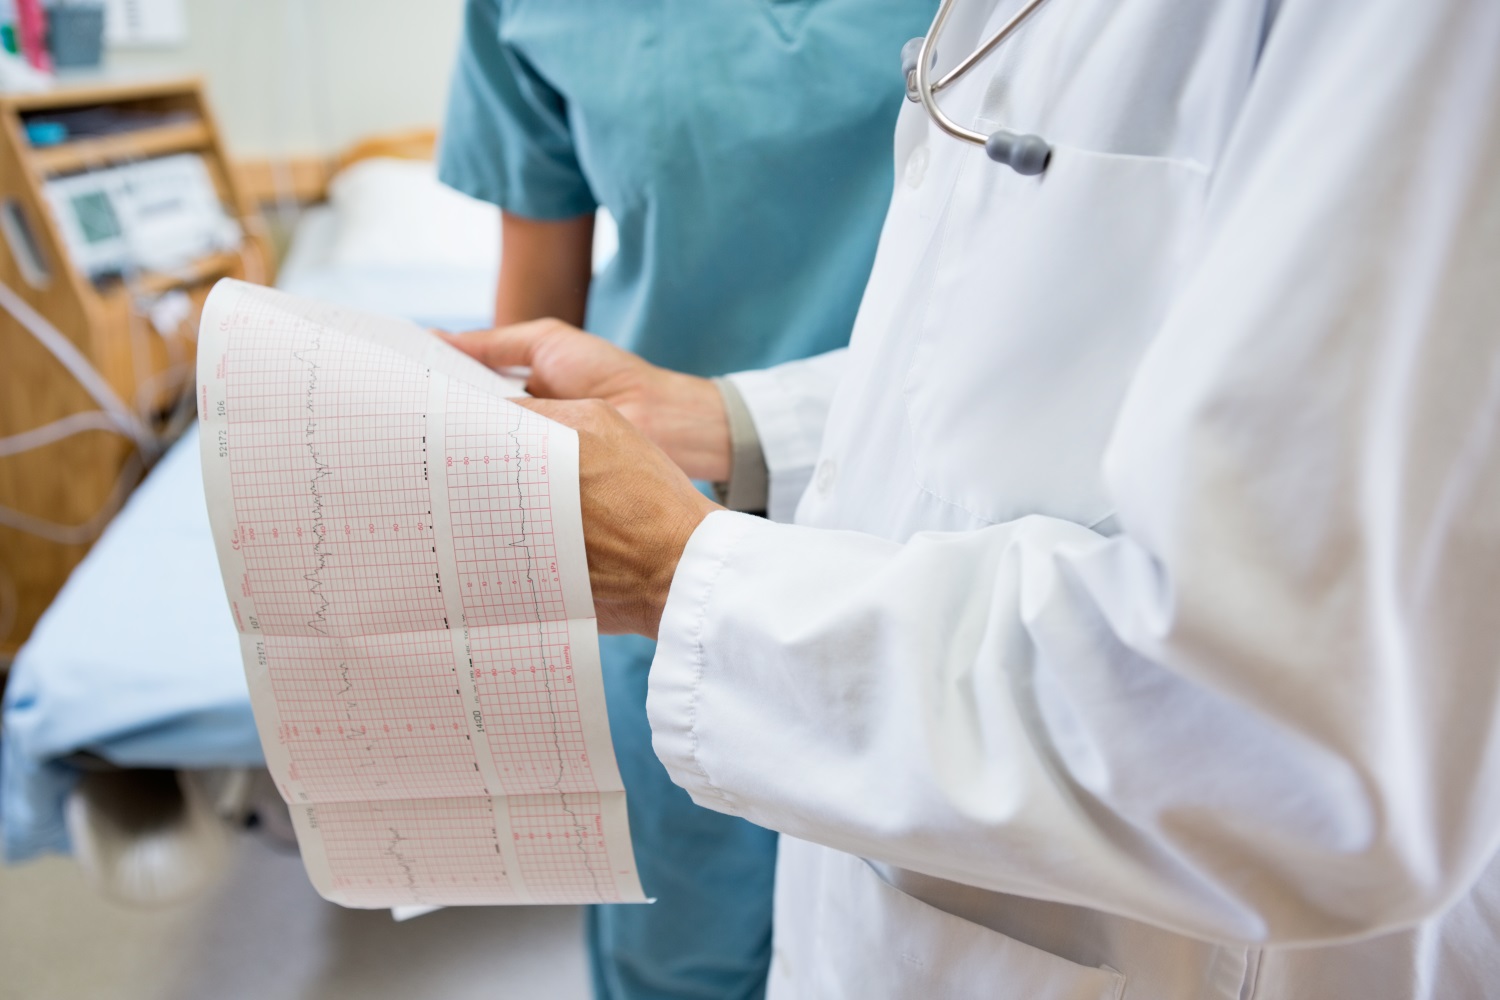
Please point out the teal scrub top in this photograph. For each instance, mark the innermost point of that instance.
(742, 146)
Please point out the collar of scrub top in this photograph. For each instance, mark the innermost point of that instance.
(1025, 154)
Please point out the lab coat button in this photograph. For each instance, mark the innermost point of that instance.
(825, 476)
(916, 166)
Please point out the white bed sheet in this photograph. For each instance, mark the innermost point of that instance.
(137, 660)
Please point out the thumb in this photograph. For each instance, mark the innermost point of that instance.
(505, 346)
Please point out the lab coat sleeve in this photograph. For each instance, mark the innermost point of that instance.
(1266, 711)
(506, 136)
(789, 406)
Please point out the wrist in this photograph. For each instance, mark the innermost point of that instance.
(689, 423)
(659, 581)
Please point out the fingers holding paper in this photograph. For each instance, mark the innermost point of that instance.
(565, 362)
(682, 414)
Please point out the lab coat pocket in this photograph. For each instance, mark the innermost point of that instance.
(1058, 283)
(881, 943)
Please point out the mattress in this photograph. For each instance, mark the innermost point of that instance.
(137, 661)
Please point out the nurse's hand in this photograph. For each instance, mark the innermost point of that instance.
(682, 414)
(639, 510)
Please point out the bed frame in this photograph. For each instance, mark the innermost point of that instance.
(304, 179)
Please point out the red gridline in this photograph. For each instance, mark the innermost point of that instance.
(527, 693)
(550, 833)
(373, 717)
(498, 491)
(441, 850)
(329, 436)
(328, 469)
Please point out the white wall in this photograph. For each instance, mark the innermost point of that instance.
(290, 77)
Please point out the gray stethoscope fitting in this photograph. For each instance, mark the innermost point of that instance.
(1025, 154)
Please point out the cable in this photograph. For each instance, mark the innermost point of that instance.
(140, 350)
(253, 226)
(125, 420)
(113, 414)
(79, 534)
(74, 423)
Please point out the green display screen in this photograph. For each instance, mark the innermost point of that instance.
(96, 216)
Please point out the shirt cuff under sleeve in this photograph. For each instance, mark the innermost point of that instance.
(788, 405)
(748, 486)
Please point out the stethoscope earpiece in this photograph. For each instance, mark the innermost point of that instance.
(910, 53)
(1027, 155)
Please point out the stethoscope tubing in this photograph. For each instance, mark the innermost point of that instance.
(920, 86)
(990, 44)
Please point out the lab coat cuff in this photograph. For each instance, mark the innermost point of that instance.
(676, 679)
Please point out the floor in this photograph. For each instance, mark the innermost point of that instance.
(263, 933)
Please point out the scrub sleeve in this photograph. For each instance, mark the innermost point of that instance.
(506, 138)
(507, 141)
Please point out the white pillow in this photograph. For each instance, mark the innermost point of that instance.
(394, 215)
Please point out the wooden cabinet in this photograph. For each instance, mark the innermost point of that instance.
(67, 489)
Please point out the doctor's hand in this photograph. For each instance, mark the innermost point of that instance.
(682, 414)
(639, 510)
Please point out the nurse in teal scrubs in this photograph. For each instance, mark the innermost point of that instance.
(744, 150)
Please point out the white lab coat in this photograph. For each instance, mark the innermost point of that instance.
(1140, 634)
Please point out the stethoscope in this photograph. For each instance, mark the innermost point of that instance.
(1025, 154)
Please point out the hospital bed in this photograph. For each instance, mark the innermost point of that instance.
(136, 664)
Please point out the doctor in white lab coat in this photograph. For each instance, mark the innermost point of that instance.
(1139, 632)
